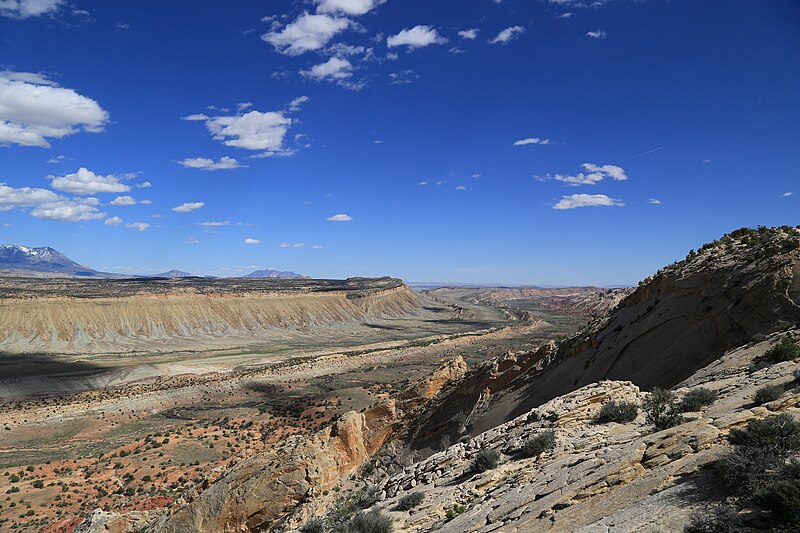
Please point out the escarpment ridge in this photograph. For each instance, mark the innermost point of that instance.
(107, 316)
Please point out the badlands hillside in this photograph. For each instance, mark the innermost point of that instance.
(574, 436)
(156, 315)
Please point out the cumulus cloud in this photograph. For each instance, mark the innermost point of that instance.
(335, 68)
(586, 200)
(597, 34)
(595, 174)
(295, 104)
(203, 163)
(24, 197)
(69, 210)
(196, 116)
(340, 218)
(252, 241)
(469, 34)
(416, 37)
(28, 8)
(461, 188)
(123, 200)
(291, 245)
(139, 226)
(188, 207)
(348, 7)
(112, 221)
(34, 109)
(532, 140)
(144, 185)
(252, 131)
(85, 181)
(508, 34)
(308, 32)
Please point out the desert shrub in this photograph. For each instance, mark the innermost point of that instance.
(697, 398)
(315, 525)
(746, 470)
(485, 460)
(721, 519)
(539, 444)
(767, 393)
(617, 412)
(785, 350)
(38, 484)
(662, 411)
(782, 494)
(409, 501)
(776, 432)
(454, 511)
(372, 522)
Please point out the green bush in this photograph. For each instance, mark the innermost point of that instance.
(767, 393)
(372, 522)
(454, 512)
(697, 398)
(617, 412)
(38, 484)
(721, 519)
(409, 501)
(662, 411)
(776, 432)
(785, 350)
(782, 495)
(537, 445)
(485, 460)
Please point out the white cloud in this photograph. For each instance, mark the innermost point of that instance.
(340, 218)
(69, 210)
(415, 37)
(214, 224)
(139, 226)
(532, 140)
(461, 188)
(596, 174)
(146, 202)
(113, 221)
(295, 104)
(241, 106)
(308, 32)
(317, 247)
(423, 183)
(654, 201)
(335, 68)
(123, 200)
(33, 109)
(123, 26)
(196, 116)
(252, 241)
(469, 34)
(787, 194)
(291, 245)
(252, 131)
(508, 34)
(85, 181)
(597, 34)
(23, 197)
(28, 8)
(203, 163)
(586, 200)
(348, 7)
(144, 185)
(564, 15)
(193, 240)
(188, 207)
(57, 159)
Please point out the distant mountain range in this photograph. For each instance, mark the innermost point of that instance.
(21, 260)
(16, 260)
(273, 274)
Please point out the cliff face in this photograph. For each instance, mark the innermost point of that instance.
(123, 316)
(295, 478)
(674, 323)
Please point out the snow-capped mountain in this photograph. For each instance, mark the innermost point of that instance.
(24, 258)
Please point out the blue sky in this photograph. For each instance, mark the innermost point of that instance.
(514, 141)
